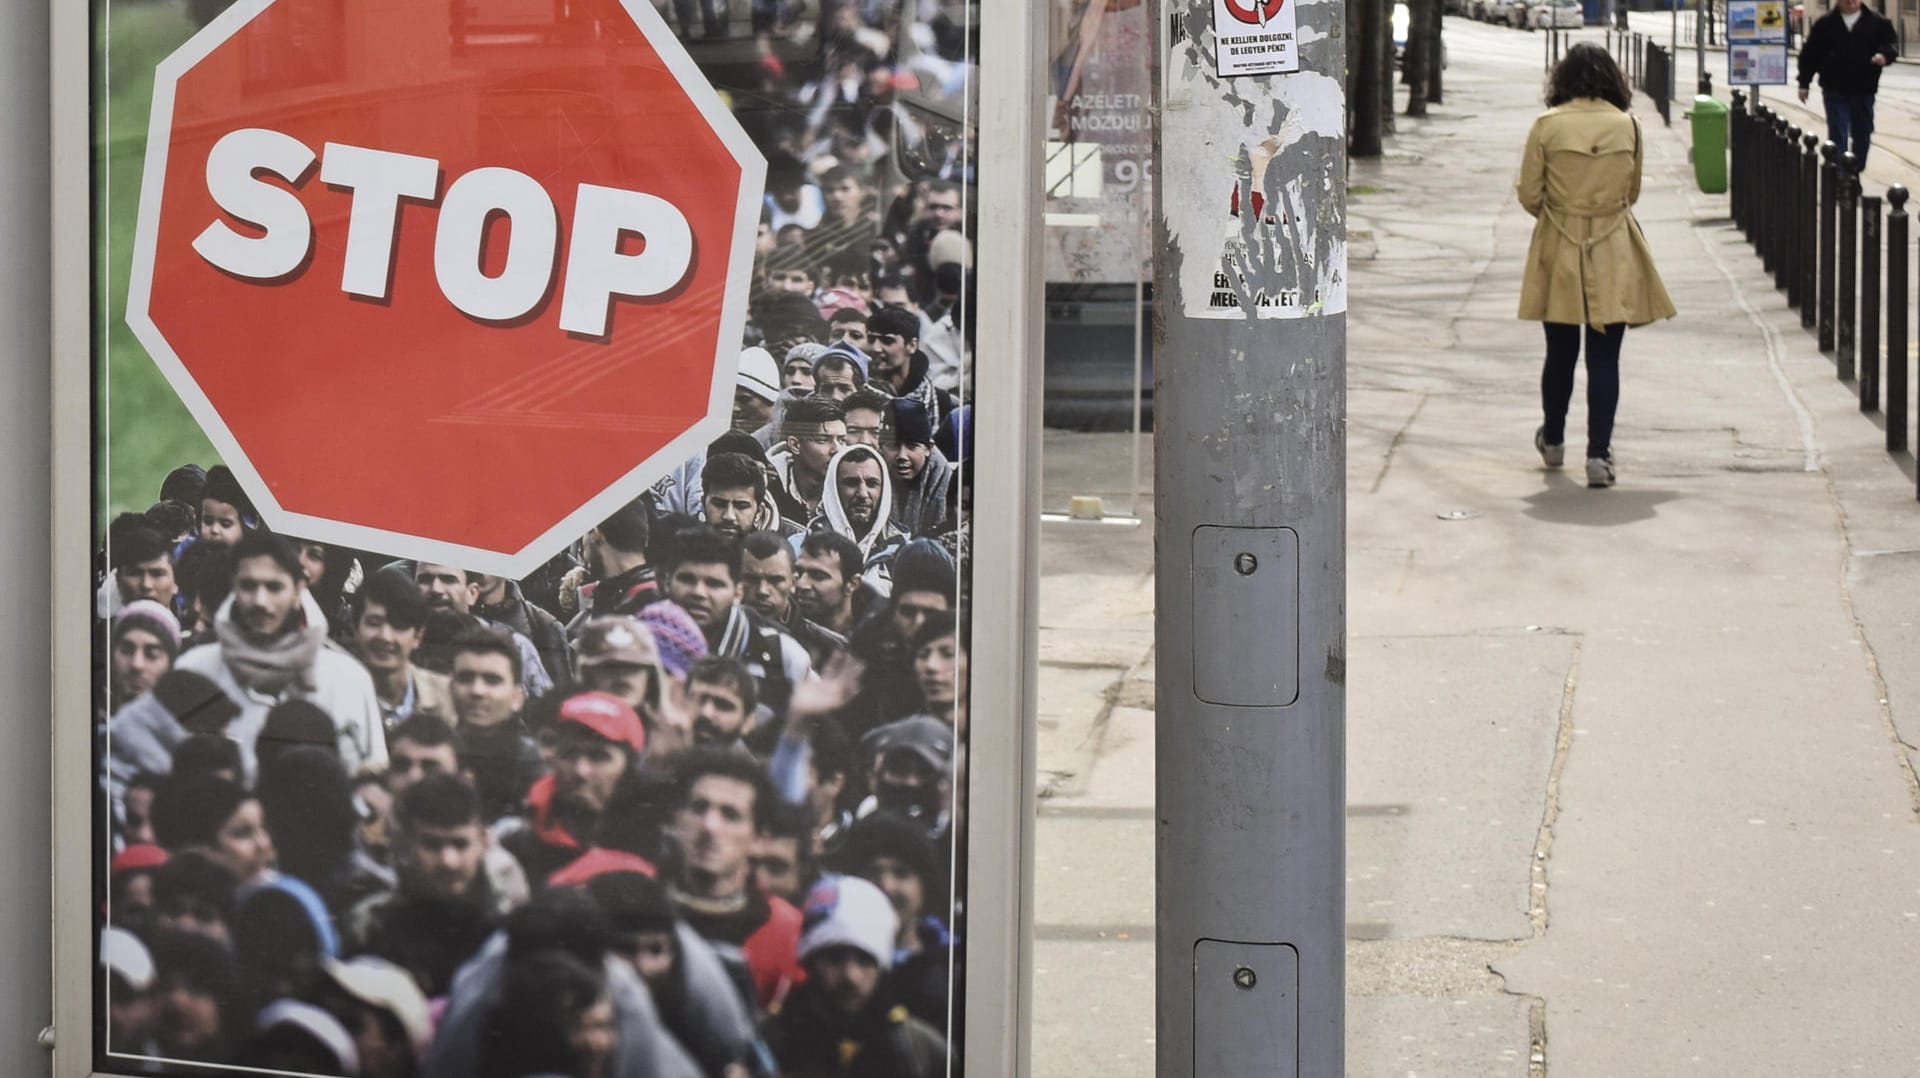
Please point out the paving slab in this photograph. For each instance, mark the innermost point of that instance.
(1447, 779)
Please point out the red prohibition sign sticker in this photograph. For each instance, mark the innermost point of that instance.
(1255, 12)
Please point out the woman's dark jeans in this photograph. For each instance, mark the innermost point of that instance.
(1603, 382)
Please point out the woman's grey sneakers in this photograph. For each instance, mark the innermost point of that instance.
(1553, 455)
(1600, 471)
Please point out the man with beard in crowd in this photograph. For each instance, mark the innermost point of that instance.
(839, 372)
(893, 853)
(446, 587)
(500, 603)
(272, 646)
(848, 324)
(722, 799)
(619, 656)
(722, 696)
(616, 554)
(923, 585)
(596, 741)
(866, 414)
(826, 583)
(734, 497)
(687, 980)
(141, 561)
(843, 1021)
(921, 474)
(858, 504)
(755, 389)
(767, 580)
(495, 746)
(203, 573)
(446, 905)
(813, 429)
(848, 223)
(389, 620)
(704, 580)
(796, 370)
(900, 367)
(911, 772)
(146, 638)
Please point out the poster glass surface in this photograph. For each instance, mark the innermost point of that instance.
(532, 503)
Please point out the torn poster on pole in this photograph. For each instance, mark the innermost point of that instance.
(1267, 238)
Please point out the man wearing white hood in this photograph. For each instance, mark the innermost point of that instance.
(858, 503)
(271, 646)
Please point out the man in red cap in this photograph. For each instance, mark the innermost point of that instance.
(596, 741)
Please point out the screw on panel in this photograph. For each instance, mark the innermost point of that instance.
(1245, 564)
(1243, 976)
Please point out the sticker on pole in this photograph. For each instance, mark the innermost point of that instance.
(1254, 37)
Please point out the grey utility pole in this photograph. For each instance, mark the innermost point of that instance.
(1250, 507)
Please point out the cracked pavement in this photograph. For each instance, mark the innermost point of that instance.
(1630, 772)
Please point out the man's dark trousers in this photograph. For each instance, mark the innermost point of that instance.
(1849, 123)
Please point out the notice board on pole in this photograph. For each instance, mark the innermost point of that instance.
(1757, 42)
(522, 482)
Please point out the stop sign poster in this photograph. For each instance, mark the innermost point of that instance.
(533, 440)
(532, 269)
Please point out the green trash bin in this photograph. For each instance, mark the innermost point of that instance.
(1709, 118)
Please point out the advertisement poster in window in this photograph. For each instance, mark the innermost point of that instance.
(532, 453)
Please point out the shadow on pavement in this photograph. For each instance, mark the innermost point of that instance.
(1568, 501)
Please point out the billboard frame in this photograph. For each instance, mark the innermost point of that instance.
(1004, 664)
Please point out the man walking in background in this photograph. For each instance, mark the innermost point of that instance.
(1846, 48)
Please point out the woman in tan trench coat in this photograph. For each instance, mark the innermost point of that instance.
(1588, 264)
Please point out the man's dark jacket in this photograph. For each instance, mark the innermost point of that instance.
(1843, 58)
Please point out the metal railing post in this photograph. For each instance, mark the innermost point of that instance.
(1847, 303)
(1786, 137)
(1896, 318)
(1736, 145)
(1762, 186)
(1869, 350)
(1807, 213)
(1829, 220)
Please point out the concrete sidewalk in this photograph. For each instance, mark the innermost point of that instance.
(1628, 787)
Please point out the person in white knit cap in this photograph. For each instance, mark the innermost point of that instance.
(844, 1019)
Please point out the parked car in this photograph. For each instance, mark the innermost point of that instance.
(1514, 13)
(1484, 10)
(1558, 15)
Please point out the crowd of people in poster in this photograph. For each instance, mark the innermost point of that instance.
(684, 802)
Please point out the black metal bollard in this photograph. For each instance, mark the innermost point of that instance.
(1761, 234)
(1790, 233)
(1809, 221)
(1869, 351)
(1896, 318)
(1781, 211)
(1829, 220)
(1847, 301)
(1736, 143)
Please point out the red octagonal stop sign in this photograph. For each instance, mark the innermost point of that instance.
(438, 287)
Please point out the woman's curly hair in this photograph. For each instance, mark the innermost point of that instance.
(1588, 71)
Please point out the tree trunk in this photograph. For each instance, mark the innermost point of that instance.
(1363, 96)
(1436, 50)
(1383, 33)
(1414, 60)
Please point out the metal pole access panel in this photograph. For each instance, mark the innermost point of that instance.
(1250, 518)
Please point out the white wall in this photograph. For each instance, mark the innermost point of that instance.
(25, 762)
